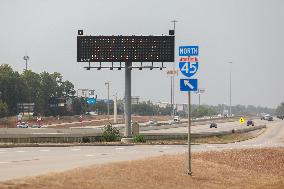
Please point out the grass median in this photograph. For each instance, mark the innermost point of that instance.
(248, 168)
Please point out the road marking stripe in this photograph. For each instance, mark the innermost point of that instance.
(75, 149)
(90, 155)
(3, 162)
(119, 148)
(44, 150)
(165, 147)
(20, 151)
(210, 146)
(1, 150)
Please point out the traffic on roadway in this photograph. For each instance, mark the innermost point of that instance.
(27, 161)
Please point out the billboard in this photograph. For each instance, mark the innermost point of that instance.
(125, 48)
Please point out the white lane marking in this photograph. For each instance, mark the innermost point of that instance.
(119, 148)
(2, 150)
(165, 147)
(244, 145)
(20, 151)
(210, 146)
(44, 150)
(90, 155)
(75, 149)
(3, 162)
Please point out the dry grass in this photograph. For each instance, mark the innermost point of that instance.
(222, 139)
(250, 168)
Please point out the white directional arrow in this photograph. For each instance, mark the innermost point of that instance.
(186, 83)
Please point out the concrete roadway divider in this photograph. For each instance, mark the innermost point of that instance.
(71, 137)
(165, 136)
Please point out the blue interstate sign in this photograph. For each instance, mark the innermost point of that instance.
(188, 51)
(188, 85)
(188, 69)
(91, 101)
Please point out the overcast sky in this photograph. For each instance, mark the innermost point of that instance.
(249, 33)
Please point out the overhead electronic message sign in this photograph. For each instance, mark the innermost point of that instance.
(125, 48)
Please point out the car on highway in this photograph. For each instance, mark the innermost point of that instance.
(270, 118)
(152, 123)
(213, 125)
(176, 119)
(36, 126)
(267, 117)
(23, 125)
(250, 122)
(280, 117)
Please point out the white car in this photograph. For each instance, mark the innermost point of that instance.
(23, 125)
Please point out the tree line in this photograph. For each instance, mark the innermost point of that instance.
(30, 87)
(40, 88)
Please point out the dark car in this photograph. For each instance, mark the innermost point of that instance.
(250, 122)
(280, 117)
(213, 125)
(270, 118)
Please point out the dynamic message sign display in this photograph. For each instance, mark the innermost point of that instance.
(125, 48)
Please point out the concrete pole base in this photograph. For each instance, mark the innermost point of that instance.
(127, 140)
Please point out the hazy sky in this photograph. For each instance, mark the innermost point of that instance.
(249, 33)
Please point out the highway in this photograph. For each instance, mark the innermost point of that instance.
(227, 126)
(30, 161)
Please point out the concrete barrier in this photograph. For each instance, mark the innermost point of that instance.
(86, 137)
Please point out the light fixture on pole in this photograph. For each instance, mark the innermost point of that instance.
(26, 58)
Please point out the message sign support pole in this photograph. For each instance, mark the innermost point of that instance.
(189, 172)
(127, 103)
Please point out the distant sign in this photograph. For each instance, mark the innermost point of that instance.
(188, 51)
(188, 69)
(242, 120)
(188, 85)
(91, 101)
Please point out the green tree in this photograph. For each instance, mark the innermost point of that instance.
(11, 88)
(280, 109)
(3, 109)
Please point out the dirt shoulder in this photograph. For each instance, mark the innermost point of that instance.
(248, 168)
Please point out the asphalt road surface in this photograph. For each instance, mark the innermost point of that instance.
(29, 161)
(228, 126)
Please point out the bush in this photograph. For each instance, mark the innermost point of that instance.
(86, 139)
(139, 138)
(110, 133)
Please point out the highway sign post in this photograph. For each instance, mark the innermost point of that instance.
(188, 51)
(188, 67)
(188, 85)
(117, 52)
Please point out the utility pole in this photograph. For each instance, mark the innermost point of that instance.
(26, 58)
(173, 77)
(230, 88)
(107, 84)
(115, 109)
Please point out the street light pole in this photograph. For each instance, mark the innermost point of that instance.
(26, 58)
(172, 78)
(230, 88)
(107, 84)
(115, 109)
